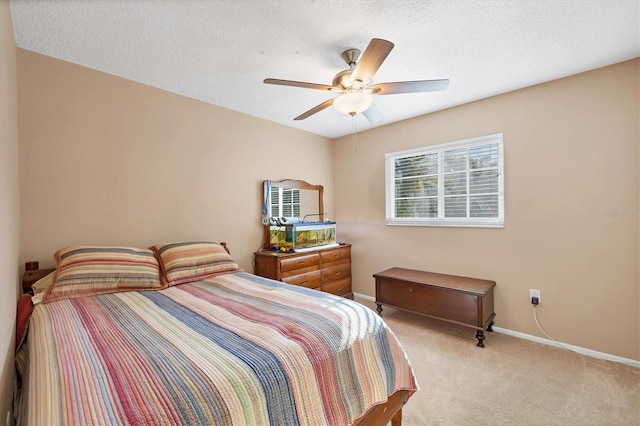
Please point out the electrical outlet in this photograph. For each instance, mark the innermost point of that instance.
(534, 292)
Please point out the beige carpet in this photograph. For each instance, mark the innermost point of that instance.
(511, 381)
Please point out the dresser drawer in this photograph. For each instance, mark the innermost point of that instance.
(299, 262)
(308, 279)
(339, 288)
(337, 255)
(336, 272)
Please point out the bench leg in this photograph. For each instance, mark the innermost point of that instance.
(480, 337)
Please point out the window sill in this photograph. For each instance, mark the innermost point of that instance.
(447, 223)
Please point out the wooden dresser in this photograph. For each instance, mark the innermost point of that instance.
(327, 270)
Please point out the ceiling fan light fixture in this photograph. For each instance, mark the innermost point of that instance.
(353, 102)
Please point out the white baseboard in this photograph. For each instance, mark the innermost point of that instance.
(578, 349)
(365, 297)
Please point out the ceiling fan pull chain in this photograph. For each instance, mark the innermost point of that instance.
(355, 135)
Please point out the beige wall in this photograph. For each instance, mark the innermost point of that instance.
(9, 206)
(571, 153)
(104, 160)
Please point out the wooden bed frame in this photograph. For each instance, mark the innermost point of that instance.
(378, 415)
(390, 411)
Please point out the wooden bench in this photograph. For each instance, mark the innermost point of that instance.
(459, 300)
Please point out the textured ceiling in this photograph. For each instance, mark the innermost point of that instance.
(220, 51)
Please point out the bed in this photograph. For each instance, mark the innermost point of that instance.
(179, 334)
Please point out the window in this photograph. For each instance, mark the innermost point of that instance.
(454, 184)
(285, 202)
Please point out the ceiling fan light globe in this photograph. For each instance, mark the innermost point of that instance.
(352, 103)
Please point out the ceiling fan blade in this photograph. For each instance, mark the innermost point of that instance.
(297, 84)
(373, 114)
(373, 56)
(410, 87)
(315, 109)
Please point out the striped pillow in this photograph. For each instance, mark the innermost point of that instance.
(42, 284)
(193, 261)
(88, 270)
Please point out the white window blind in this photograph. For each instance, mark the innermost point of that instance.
(454, 184)
(285, 202)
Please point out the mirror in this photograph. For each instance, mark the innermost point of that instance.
(291, 199)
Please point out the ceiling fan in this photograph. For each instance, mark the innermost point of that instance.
(355, 85)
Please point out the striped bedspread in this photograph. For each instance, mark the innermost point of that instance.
(235, 349)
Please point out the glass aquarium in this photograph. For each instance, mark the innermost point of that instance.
(304, 235)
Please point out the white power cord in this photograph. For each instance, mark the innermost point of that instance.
(535, 317)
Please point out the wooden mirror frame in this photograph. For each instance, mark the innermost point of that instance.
(288, 184)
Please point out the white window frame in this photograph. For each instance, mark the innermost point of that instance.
(483, 222)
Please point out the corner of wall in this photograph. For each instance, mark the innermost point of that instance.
(9, 204)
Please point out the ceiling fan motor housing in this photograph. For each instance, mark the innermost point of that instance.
(343, 78)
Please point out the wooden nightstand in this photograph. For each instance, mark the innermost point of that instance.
(33, 274)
